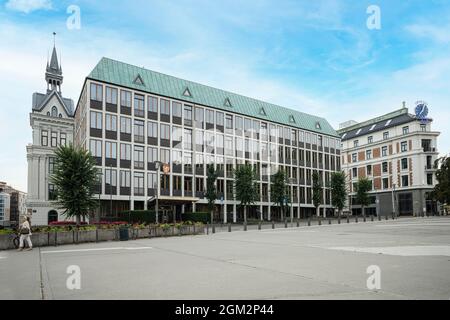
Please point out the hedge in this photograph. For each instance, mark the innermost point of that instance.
(197, 216)
(138, 216)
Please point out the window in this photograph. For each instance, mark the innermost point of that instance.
(354, 172)
(199, 117)
(52, 192)
(96, 92)
(229, 122)
(385, 183)
(165, 156)
(165, 131)
(430, 179)
(405, 181)
(355, 143)
(125, 179)
(111, 122)
(152, 155)
(405, 130)
(239, 123)
(111, 177)
(139, 105)
(354, 159)
(370, 139)
(125, 125)
(138, 184)
(139, 131)
(152, 129)
(54, 137)
(404, 163)
(220, 119)
(96, 120)
(423, 127)
(369, 170)
(384, 151)
(54, 111)
(152, 104)
(110, 150)
(188, 115)
(386, 135)
(165, 107)
(176, 109)
(62, 139)
(138, 157)
(384, 166)
(51, 165)
(368, 154)
(151, 183)
(125, 98)
(44, 138)
(188, 139)
(209, 116)
(125, 151)
(404, 146)
(95, 147)
(111, 95)
(229, 146)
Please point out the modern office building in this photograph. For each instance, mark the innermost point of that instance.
(52, 121)
(396, 152)
(130, 118)
(14, 206)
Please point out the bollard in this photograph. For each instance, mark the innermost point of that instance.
(285, 223)
(229, 227)
(371, 217)
(309, 222)
(356, 219)
(320, 221)
(386, 217)
(273, 224)
(245, 226)
(329, 220)
(298, 223)
(348, 219)
(393, 214)
(379, 217)
(364, 218)
(207, 228)
(339, 220)
(259, 225)
(213, 228)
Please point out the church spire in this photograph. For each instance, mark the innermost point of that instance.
(53, 74)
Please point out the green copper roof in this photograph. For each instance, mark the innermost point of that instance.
(126, 75)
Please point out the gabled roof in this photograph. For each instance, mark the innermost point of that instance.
(40, 101)
(123, 74)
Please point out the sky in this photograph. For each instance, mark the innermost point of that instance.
(331, 58)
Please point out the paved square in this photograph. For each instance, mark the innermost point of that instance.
(317, 262)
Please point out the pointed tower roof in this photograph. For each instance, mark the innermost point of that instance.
(54, 66)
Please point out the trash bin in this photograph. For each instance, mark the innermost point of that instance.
(123, 234)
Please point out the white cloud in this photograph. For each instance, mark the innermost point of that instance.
(27, 6)
(438, 34)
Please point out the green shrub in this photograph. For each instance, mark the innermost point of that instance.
(138, 216)
(6, 231)
(196, 217)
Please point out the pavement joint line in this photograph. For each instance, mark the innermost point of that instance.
(96, 249)
(41, 280)
(277, 271)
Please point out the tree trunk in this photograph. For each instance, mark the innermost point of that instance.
(339, 213)
(78, 220)
(212, 216)
(245, 214)
(318, 211)
(363, 211)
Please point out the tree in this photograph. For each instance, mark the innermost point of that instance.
(363, 186)
(75, 178)
(245, 186)
(211, 192)
(441, 191)
(278, 190)
(317, 190)
(338, 190)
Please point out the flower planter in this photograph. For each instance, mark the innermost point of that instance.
(6, 241)
(65, 237)
(39, 239)
(106, 234)
(86, 236)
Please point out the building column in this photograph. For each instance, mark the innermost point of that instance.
(268, 213)
(234, 213)
(224, 212)
(261, 212)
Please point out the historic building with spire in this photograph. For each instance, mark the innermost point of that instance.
(52, 123)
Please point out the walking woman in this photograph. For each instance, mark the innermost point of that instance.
(25, 234)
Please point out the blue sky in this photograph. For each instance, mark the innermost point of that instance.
(314, 56)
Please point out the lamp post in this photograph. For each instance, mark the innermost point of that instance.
(158, 165)
(393, 199)
(291, 181)
(110, 186)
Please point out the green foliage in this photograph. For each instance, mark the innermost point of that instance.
(138, 216)
(441, 191)
(317, 189)
(196, 217)
(6, 231)
(245, 185)
(338, 190)
(363, 186)
(278, 188)
(75, 177)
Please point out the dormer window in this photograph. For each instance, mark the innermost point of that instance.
(138, 80)
(318, 126)
(262, 112)
(187, 93)
(372, 127)
(388, 122)
(358, 132)
(227, 103)
(292, 119)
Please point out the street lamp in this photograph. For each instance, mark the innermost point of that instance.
(158, 165)
(393, 199)
(291, 181)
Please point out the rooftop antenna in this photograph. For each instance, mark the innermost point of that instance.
(54, 39)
